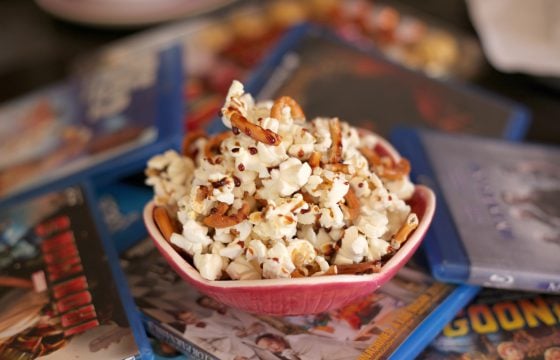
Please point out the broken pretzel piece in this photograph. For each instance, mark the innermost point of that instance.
(407, 228)
(361, 268)
(218, 218)
(213, 144)
(281, 102)
(353, 204)
(333, 270)
(385, 166)
(254, 131)
(335, 155)
(189, 139)
(315, 159)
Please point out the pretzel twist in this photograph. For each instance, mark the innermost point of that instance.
(280, 103)
(213, 144)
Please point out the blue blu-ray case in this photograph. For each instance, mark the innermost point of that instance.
(121, 204)
(329, 76)
(428, 329)
(496, 222)
(56, 242)
(100, 124)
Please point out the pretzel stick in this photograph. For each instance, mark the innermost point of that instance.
(255, 131)
(361, 268)
(164, 222)
(406, 229)
(353, 204)
(276, 111)
(297, 274)
(335, 155)
(386, 166)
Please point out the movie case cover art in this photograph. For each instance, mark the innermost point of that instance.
(93, 120)
(58, 295)
(373, 327)
(498, 217)
(501, 324)
(330, 77)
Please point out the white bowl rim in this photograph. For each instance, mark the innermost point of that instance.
(393, 263)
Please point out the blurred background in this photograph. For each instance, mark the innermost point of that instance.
(45, 41)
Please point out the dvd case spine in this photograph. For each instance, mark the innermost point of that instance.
(163, 333)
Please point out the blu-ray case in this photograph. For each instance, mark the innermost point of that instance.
(329, 76)
(62, 291)
(101, 123)
(497, 221)
(396, 321)
(120, 204)
(501, 324)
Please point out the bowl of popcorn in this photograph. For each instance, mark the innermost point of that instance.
(281, 215)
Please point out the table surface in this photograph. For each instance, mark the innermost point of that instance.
(39, 49)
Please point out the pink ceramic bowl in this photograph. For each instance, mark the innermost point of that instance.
(306, 295)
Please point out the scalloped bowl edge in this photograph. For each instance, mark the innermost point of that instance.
(296, 296)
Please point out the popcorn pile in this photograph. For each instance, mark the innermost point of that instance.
(279, 197)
